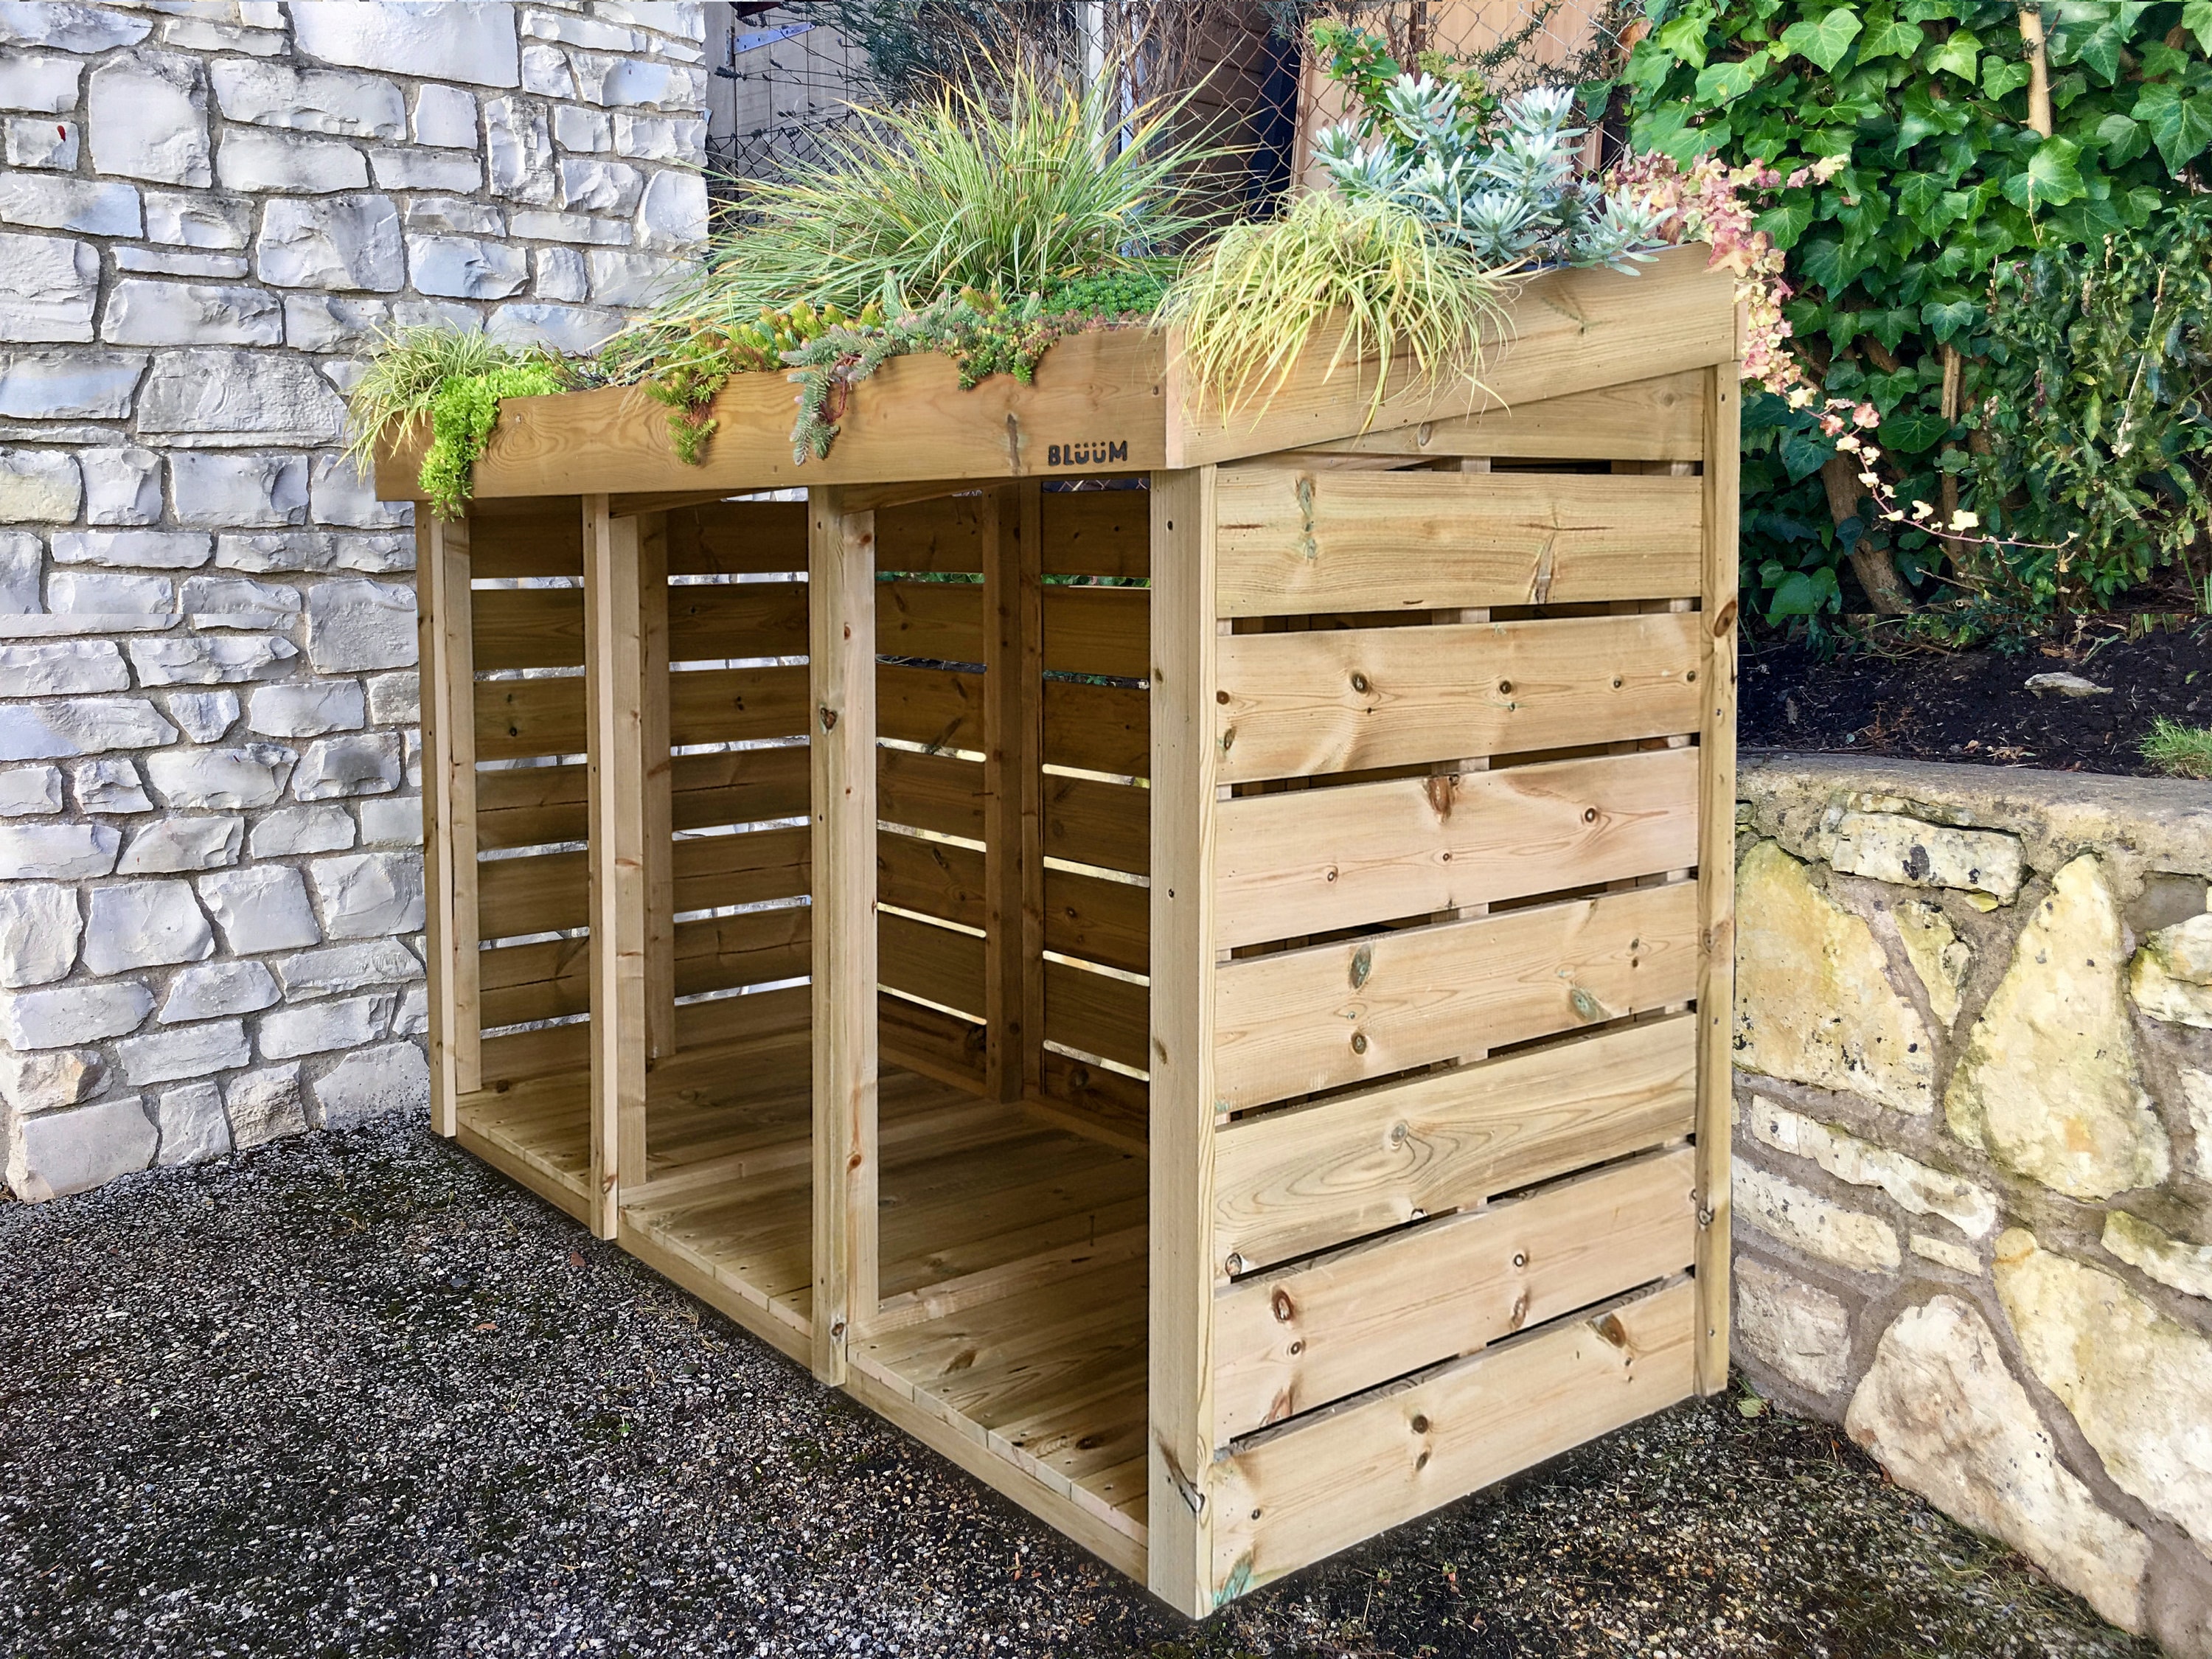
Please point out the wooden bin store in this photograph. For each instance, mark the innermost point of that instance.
(1184, 961)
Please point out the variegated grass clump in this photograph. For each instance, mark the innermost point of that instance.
(1248, 305)
(454, 378)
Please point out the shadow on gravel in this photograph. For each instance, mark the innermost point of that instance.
(358, 1395)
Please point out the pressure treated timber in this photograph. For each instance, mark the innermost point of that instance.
(940, 878)
(517, 719)
(656, 784)
(1310, 1489)
(1095, 728)
(941, 793)
(1661, 419)
(1096, 533)
(1290, 1182)
(737, 538)
(1300, 703)
(449, 838)
(1096, 1014)
(1012, 625)
(746, 619)
(1089, 821)
(1097, 631)
(1307, 861)
(1288, 1341)
(1295, 542)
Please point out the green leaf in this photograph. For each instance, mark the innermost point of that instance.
(1804, 453)
(1724, 83)
(1911, 433)
(1826, 38)
(1800, 593)
(1922, 199)
(1956, 55)
(2000, 78)
(1786, 223)
(1948, 318)
(2180, 119)
(1822, 261)
(2120, 139)
(1889, 36)
(2196, 18)
(1685, 38)
(2051, 175)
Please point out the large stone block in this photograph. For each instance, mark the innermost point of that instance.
(39, 486)
(620, 277)
(282, 95)
(446, 116)
(51, 668)
(426, 169)
(68, 1016)
(79, 725)
(92, 207)
(217, 602)
(53, 284)
(393, 821)
(589, 185)
(307, 708)
(56, 851)
(251, 160)
(314, 550)
(2172, 1261)
(365, 895)
(673, 213)
(226, 491)
(654, 83)
(106, 786)
(150, 314)
(342, 496)
(264, 1105)
(1798, 1328)
(373, 1083)
(581, 131)
(2139, 1383)
(51, 1078)
(148, 118)
(220, 397)
(122, 485)
(2171, 977)
(35, 141)
(210, 659)
(39, 81)
(324, 322)
(322, 1027)
(28, 791)
(573, 329)
(1916, 1188)
(342, 969)
(580, 228)
(57, 1153)
(1783, 1210)
(356, 625)
(185, 220)
(1939, 1410)
(467, 268)
(337, 242)
(454, 215)
(366, 763)
(173, 844)
(475, 44)
(38, 930)
(261, 908)
(72, 385)
(248, 775)
(145, 924)
(2050, 1083)
(22, 562)
(143, 550)
(518, 151)
(82, 594)
(205, 715)
(303, 829)
(213, 990)
(188, 1051)
(661, 138)
(192, 1127)
(71, 28)
(1814, 1003)
(561, 274)
(545, 71)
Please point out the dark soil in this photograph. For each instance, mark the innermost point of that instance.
(1974, 706)
(358, 1395)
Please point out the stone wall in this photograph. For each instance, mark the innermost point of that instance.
(1974, 1143)
(210, 888)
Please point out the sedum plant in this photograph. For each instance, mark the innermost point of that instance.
(452, 379)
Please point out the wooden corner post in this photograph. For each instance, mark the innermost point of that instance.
(614, 690)
(1185, 758)
(658, 782)
(1013, 793)
(841, 575)
(446, 650)
(1717, 870)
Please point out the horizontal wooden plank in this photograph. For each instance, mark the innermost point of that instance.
(529, 805)
(522, 1055)
(1096, 532)
(1096, 729)
(740, 785)
(1097, 920)
(938, 707)
(1098, 630)
(1099, 1015)
(517, 718)
(1300, 704)
(1108, 824)
(1288, 1341)
(942, 793)
(736, 705)
(735, 538)
(1311, 1489)
(1300, 541)
(509, 540)
(711, 870)
(1310, 860)
(519, 983)
(1332, 1014)
(943, 621)
(737, 1019)
(941, 534)
(1121, 1105)
(534, 894)
(1661, 419)
(526, 628)
(1291, 1182)
(940, 964)
(707, 622)
(927, 1040)
(756, 947)
(933, 877)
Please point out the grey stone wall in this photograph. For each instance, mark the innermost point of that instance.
(210, 880)
(1973, 1145)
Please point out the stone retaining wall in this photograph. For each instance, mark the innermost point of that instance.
(210, 890)
(1974, 1143)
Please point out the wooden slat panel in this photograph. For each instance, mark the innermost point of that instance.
(943, 621)
(1314, 1019)
(933, 877)
(1295, 542)
(533, 895)
(939, 707)
(729, 538)
(1119, 1103)
(1098, 630)
(1108, 824)
(1096, 1014)
(942, 534)
(1288, 1341)
(1661, 419)
(515, 719)
(1307, 861)
(755, 948)
(942, 793)
(940, 963)
(512, 539)
(528, 628)
(1100, 921)
(732, 1019)
(743, 619)
(544, 981)
(1311, 1489)
(1098, 532)
(1096, 729)
(936, 1044)
(745, 786)
(736, 705)
(1298, 704)
(524, 1054)
(711, 870)
(1295, 1182)
(529, 805)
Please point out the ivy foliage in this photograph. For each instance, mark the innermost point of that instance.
(1945, 183)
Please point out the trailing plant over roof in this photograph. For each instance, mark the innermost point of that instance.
(453, 379)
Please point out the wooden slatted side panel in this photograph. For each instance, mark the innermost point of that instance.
(1097, 658)
(1459, 942)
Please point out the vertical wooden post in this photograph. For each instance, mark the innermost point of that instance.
(1716, 871)
(841, 575)
(447, 657)
(659, 849)
(1013, 793)
(1185, 761)
(613, 686)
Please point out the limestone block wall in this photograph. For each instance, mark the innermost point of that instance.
(1974, 1142)
(210, 880)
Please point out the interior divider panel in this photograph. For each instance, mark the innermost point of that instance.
(1307, 861)
(940, 964)
(518, 1056)
(1288, 1341)
(1288, 1183)
(1089, 821)
(756, 947)
(1296, 704)
(933, 877)
(948, 1047)
(752, 868)
(517, 720)
(937, 707)
(732, 539)
(1299, 542)
(1099, 920)
(1097, 631)
(531, 805)
(736, 705)
(527, 628)
(1097, 728)
(548, 978)
(942, 621)
(533, 894)
(942, 793)
(742, 785)
(1097, 1014)
(713, 621)
(941, 534)
(1096, 532)
(512, 539)
(1334, 1014)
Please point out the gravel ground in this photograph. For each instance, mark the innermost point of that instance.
(355, 1395)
